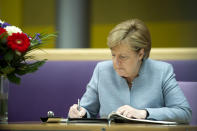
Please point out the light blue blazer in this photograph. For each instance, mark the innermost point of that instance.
(155, 89)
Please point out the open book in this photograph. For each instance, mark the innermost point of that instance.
(123, 119)
(112, 117)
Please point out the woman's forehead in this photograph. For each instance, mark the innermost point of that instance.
(122, 48)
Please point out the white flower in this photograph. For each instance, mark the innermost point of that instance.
(1, 21)
(12, 29)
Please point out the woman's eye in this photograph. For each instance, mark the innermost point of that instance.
(122, 57)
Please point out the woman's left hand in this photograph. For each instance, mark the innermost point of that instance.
(131, 112)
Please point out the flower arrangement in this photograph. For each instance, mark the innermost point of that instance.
(15, 47)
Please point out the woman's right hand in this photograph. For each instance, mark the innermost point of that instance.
(75, 113)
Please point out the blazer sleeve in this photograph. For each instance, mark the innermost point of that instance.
(90, 100)
(176, 106)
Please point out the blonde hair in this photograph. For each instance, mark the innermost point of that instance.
(133, 32)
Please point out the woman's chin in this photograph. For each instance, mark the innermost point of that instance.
(121, 74)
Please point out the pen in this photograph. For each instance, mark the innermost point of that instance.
(78, 105)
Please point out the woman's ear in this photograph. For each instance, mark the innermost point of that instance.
(141, 54)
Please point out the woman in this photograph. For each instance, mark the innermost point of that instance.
(132, 84)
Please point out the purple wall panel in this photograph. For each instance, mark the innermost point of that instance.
(58, 84)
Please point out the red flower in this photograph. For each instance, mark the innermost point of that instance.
(19, 42)
(3, 32)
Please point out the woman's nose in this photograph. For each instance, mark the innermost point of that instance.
(117, 62)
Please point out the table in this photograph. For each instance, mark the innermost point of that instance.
(31, 126)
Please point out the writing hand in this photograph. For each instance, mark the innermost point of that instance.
(75, 113)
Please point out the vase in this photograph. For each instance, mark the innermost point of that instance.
(4, 88)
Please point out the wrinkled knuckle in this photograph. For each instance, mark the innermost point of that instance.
(71, 107)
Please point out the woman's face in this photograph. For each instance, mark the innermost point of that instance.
(126, 62)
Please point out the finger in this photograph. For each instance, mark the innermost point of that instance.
(73, 112)
(118, 111)
(125, 113)
(121, 111)
(122, 108)
(75, 106)
(130, 115)
(70, 112)
(82, 112)
(74, 115)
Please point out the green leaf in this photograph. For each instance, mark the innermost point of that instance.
(9, 55)
(44, 37)
(7, 70)
(21, 72)
(13, 78)
(34, 66)
(30, 68)
(3, 37)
